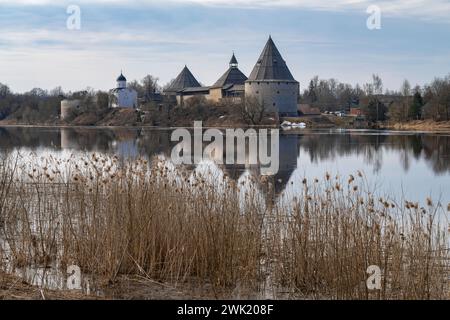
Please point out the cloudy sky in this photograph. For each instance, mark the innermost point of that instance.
(316, 37)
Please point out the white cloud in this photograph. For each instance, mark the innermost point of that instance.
(424, 9)
(107, 39)
(54, 56)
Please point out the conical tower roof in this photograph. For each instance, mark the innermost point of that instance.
(271, 65)
(232, 76)
(233, 60)
(184, 80)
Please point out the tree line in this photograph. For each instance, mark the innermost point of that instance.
(431, 101)
(43, 106)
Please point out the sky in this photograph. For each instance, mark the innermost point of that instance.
(316, 37)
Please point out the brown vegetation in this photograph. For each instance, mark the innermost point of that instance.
(420, 125)
(15, 288)
(115, 219)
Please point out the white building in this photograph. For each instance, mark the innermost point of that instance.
(121, 96)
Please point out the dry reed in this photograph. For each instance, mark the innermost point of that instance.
(116, 218)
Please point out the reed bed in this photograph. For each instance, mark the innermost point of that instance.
(145, 218)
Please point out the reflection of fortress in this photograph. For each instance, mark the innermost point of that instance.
(434, 149)
(149, 143)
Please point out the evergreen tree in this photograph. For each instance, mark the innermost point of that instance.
(312, 92)
(415, 110)
(375, 110)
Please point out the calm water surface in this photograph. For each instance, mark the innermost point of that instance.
(403, 165)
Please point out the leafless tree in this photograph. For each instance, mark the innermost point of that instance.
(405, 103)
(252, 110)
(377, 84)
(146, 87)
(56, 92)
(4, 90)
(438, 96)
(150, 84)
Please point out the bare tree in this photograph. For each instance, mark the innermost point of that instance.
(168, 84)
(396, 112)
(4, 90)
(56, 92)
(135, 85)
(102, 99)
(439, 99)
(405, 91)
(150, 84)
(37, 92)
(377, 84)
(146, 87)
(252, 110)
(368, 89)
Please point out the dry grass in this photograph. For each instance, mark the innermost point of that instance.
(15, 288)
(140, 219)
(421, 125)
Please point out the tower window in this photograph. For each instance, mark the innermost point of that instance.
(274, 104)
(259, 83)
(279, 83)
(257, 92)
(278, 92)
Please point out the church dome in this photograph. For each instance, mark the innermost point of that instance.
(121, 78)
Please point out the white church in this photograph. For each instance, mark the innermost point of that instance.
(122, 96)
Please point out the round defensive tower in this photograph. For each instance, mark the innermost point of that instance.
(69, 108)
(272, 83)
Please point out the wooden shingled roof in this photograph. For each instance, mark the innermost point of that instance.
(184, 80)
(271, 65)
(233, 76)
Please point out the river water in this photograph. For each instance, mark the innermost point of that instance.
(402, 165)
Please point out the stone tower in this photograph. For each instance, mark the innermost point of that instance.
(272, 83)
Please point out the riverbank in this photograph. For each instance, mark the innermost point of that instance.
(212, 116)
(119, 120)
(419, 125)
(13, 287)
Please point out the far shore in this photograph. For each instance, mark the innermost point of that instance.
(420, 125)
(119, 127)
(417, 125)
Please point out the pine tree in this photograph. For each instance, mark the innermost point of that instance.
(312, 92)
(375, 111)
(415, 110)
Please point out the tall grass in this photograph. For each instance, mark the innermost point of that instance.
(116, 218)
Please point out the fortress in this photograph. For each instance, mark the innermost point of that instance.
(270, 82)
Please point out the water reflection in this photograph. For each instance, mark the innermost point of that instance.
(369, 146)
(419, 162)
